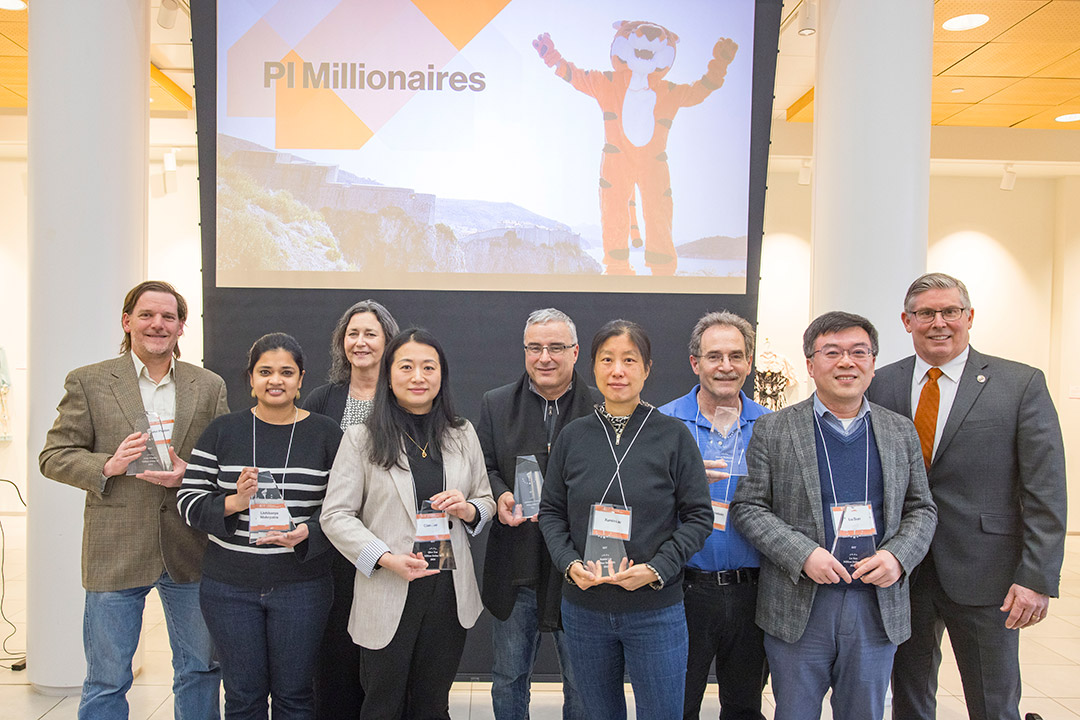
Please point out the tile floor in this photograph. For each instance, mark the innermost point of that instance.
(1049, 652)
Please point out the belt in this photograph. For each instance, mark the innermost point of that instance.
(724, 577)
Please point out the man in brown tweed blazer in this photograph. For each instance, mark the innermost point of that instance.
(133, 537)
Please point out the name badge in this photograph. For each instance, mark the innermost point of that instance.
(719, 514)
(611, 521)
(854, 520)
(432, 526)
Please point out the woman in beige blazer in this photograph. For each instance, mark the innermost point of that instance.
(409, 619)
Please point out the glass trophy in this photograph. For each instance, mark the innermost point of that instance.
(528, 484)
(150, 425)
(856, 535)
(726, 442)
(433, 538)
(267, 512)
(609, 528)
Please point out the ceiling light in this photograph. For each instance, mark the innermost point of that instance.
(166, 16)
(965, 22)
(808, 18)
(957, 91)
(1071, 117)
(12, 5)
(1008, 178)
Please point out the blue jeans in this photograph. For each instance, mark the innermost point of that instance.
(112, 622)
(844, 647)
(651, 645)
(268, 640)
(514, 644)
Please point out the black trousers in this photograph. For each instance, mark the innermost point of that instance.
(720, 620)
(338, 693)
(987, 655)
(411, 677)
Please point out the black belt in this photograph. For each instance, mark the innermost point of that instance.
(724, 577)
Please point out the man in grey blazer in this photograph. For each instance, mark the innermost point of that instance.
(133, 537)
(992, 445)
(836, 502)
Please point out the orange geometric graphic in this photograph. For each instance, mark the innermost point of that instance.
(314, 118)
(460, 20)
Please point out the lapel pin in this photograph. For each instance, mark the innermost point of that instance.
(981, 378)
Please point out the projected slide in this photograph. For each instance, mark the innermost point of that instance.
(484, 144)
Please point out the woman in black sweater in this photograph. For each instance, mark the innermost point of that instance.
(265, 602)
(626, 484)
(356, 353)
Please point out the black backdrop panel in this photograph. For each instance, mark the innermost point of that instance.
(481, 331)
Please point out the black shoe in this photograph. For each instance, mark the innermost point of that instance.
(1033, 716)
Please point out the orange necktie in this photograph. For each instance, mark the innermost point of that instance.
(926, 414)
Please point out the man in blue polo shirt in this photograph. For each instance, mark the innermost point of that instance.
(721, 580)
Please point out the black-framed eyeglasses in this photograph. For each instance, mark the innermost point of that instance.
(536, 349)
(833, 354)
(926, 315)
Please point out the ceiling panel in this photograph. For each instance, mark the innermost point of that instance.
(941, 111)
(986, 115)
(10, 47)
(1037, 91)
(8, 99)
(1052, 23)
(975, 88)
(947, 54)
(15, 27)
(1045, 119)
(1004, 14)
(1011, 59)
(1068, 67)
(13, 70)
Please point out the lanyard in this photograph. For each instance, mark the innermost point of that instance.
(288, 452)
(618, 460)
(825, 447)
(738, 435)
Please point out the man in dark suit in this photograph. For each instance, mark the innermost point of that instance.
(993, 449)
(133, 537)
(521, 588)
(836, 502)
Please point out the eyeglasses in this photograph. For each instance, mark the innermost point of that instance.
(927, 315)
(833, 354)
(717, 358)
(536, 349)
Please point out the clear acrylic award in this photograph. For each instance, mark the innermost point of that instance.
(856, 533)
(157, 441)
(267, 511)
(433, 538)
(609, 528)
(528, 485)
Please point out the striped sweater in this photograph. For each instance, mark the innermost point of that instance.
(225, 449)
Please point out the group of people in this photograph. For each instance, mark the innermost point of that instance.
(314, 553)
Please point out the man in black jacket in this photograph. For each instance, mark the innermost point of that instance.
(521, 588)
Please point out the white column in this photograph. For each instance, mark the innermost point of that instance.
(88, 122)
(871, 159)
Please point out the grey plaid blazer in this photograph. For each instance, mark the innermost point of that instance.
(778, 508)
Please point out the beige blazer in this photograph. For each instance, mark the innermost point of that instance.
(369, 510)
(131, 529)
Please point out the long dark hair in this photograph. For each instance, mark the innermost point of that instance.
(388, 418)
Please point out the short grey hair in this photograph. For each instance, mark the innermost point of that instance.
(935, 281)
(724, 318)
(547, 315)
(834, 322)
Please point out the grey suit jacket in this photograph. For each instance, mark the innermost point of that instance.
(778, 508)
(131, 529)
(368, 507)
(998, 478)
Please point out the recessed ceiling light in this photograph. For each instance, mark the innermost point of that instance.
(12, 5)
(965, 22)
(957, 91)
(1071, 117)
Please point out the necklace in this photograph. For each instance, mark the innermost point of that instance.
(423, 450)
(288, 451)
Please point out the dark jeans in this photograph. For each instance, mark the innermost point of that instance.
(338, 694)
(720, 620)
(650, 645)
(411, 676)
(267, 640)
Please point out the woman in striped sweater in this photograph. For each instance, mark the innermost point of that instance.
(265, 602)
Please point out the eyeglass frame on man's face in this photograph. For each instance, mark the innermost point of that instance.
(536, 349)
(926, 315)
(718, 358)
(833, 354)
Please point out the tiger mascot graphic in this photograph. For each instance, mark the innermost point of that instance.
(639, 107)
